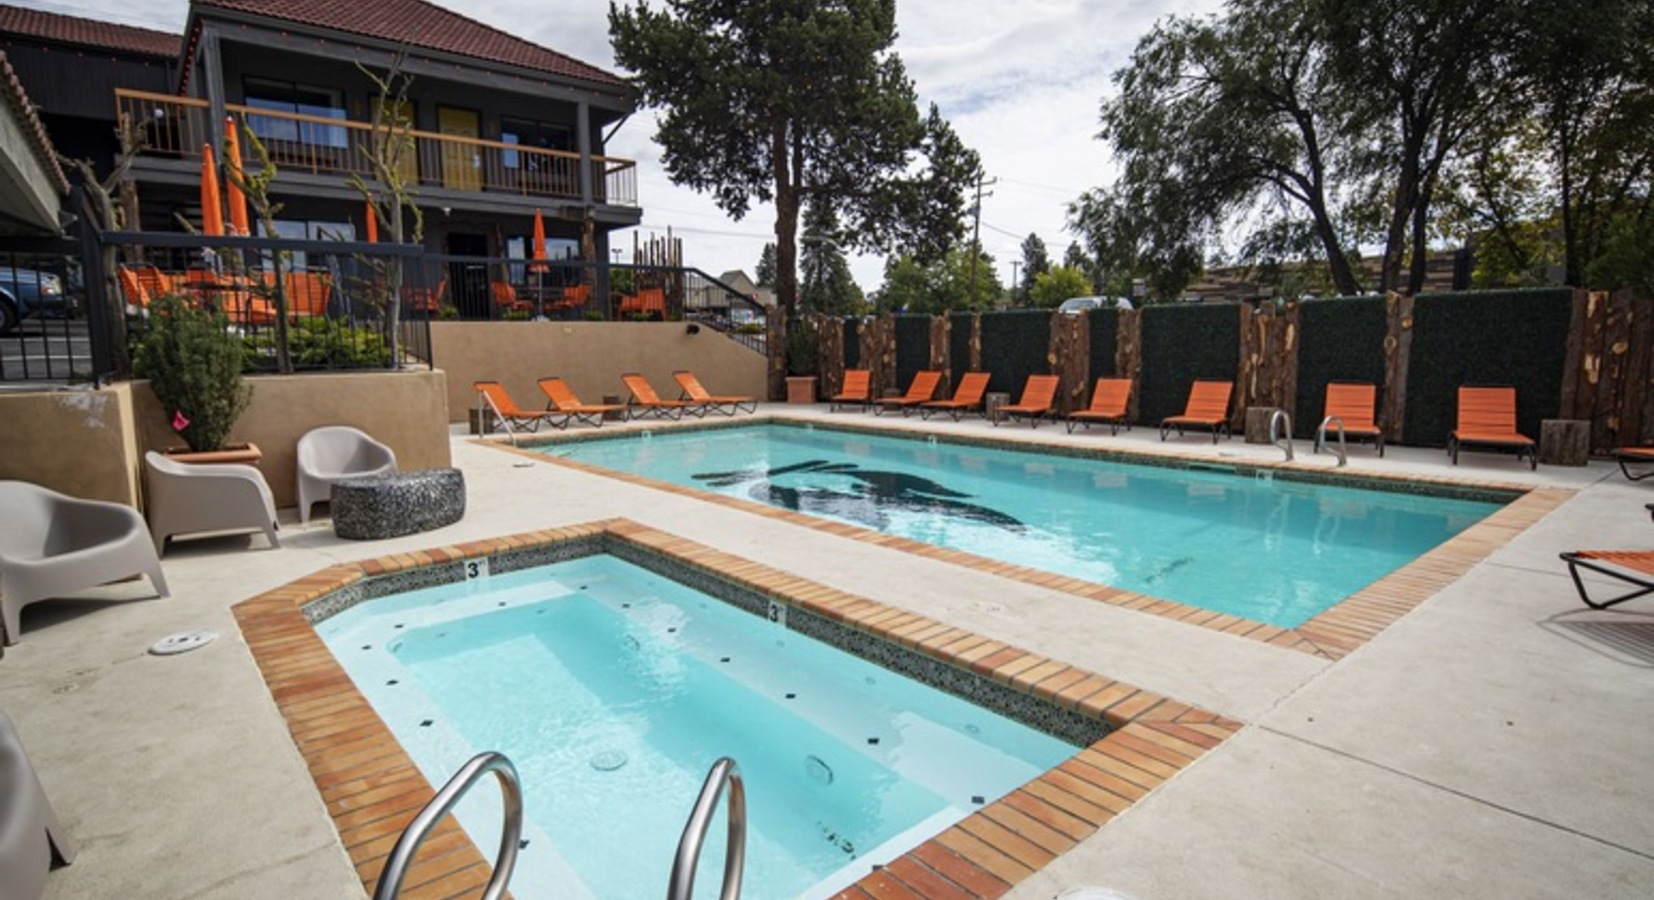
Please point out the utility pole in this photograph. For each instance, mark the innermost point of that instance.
(976, 230)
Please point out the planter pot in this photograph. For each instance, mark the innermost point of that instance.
(801, 389)
(231, 453)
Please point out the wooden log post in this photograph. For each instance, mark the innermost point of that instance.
(1128, 356)
(878, 352)
(775, 344)
(830, 350)
(976, 342)
(1637, 405)
(1398, 349)
(1564, 442)
(1070, 359)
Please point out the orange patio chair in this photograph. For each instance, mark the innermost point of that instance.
(645, 402)
(920, 391)
(505, 299)
(423, 300)
(647, 301)
(1634, 567)
(966, 398)
(561, 398)
(1208, 408)
(1631, 456)
(307, 293)
(574, 295)
(137, 296)
(727, 404)
(157, 283)
(492, 397)
(1354, 405)
(1487, 417)
(1038, 395)
(1109, 400)
(857, 388)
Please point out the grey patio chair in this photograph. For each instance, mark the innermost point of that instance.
(31, 838)
(52, 544)
(334, 453)
(190, 499)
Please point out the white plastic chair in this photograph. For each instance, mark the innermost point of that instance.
(334, 453)
(52, 544)
(189, 499)
(31, 837)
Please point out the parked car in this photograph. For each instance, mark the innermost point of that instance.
(27, 292)
(1073, 305)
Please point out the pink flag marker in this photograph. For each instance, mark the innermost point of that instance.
(179, 423)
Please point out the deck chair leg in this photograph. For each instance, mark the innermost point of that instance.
(1626, 468)
(1575, 563)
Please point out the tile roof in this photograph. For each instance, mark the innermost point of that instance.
(11, 91)
(88, 32)
(419, 24)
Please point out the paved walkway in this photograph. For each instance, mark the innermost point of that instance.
(1492, 743)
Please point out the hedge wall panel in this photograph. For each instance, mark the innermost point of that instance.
(1015, 345)
(1514, 337)
(959, 347)
(912, 348)
(1340, 339)
(1105, 331)
(1181, 345)
(852, 344)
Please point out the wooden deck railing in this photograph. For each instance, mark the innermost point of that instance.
(178, 127)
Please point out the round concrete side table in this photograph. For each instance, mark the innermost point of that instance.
(397, 503)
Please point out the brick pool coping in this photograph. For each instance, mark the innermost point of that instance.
(1331, 634)
(372, 790)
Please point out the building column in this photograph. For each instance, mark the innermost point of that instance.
(583, 140)
(211, 65)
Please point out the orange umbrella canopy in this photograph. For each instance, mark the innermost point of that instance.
(539, 238)
(232, 171)
(372, 228)
(212, 211)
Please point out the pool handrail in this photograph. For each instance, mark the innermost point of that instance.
(407, 846)
(682, 885)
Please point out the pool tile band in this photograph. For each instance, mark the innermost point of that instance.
(1132, 740)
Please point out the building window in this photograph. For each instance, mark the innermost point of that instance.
(528, 133)
(295, 99)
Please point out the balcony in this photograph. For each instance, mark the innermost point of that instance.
(178, 127)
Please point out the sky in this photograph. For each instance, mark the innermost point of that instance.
(1020, 82)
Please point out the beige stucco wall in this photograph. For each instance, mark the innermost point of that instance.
(590, 356)
(78, 442)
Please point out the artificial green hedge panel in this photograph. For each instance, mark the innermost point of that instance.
(852, 345)
(1015, 345)
(1181, 345)
(1513, 337)
(959, 347)
(912, 348)
(1340, 339)
(1104, 325)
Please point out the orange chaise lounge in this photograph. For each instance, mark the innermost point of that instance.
(966, 398)
(1109, 402)
(645, 402)
(1208, 408)
(727, 404)
(856, 388)
(1039, 394)
(920, 391)
(492, 396)
(1487, 417)
(1354, 405)
(561, 398)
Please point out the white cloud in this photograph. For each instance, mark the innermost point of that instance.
(1021, 83)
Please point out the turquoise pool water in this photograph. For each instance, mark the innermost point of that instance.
(1274, 551)
(613, 690)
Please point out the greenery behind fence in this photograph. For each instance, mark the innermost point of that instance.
(959, 346)
(1104, 328)
(1183, 344)
(912, 348)
(1338, 340)
(1014, 346)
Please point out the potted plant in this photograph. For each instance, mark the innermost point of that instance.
(801, 361)
(193, 363)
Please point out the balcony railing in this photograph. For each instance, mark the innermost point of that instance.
(320, 145)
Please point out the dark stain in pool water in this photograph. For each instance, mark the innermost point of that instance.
(866, 502)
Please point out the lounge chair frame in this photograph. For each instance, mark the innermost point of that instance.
(729, 405)
(1110, 404)
(1199, 400)
(1039, 397)
(1353, 405)
(1628, 456)
(644, 403)
(570, 405)
(919, 391)
(1480, 424)
(1584, 560)
(967, 398)
(512, 416)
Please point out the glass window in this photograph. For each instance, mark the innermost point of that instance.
(287, 97)
(528, 133)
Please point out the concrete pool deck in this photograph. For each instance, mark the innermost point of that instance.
(1487, 744)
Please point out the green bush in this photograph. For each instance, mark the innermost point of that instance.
(1181, 345)
(801, 348)
(193, 364)
(912, 348)
(317, 343)
(1104, 325)
(1015, 344)
(1339, 339)
(959, 344)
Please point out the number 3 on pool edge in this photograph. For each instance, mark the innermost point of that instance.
(778, 613)
(476, 568)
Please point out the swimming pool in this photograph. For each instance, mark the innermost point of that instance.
(614, 688)
(1270, 549)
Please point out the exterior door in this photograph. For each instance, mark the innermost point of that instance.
(401, 121)
(461, 162)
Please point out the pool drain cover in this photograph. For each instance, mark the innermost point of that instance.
(608, 760)
(183, 642)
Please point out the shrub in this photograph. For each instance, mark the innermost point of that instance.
(193, 364)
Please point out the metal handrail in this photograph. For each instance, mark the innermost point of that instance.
(682, 886)
(1275, 418)
(1321, 439)
(402, 855)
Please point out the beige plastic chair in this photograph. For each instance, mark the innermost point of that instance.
(333, 453)
(31, 838)
(52, 544)
(190, 499)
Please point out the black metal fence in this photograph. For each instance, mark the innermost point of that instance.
(43, 328)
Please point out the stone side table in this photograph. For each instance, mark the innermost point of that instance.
(397, 503)
(1564, 442)
(991, 403)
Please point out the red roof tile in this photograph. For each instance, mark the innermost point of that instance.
(11, 90)
(419, 24)
(88, 32)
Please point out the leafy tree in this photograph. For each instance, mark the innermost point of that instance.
(828, 286)
(1052, 287)
(938, 286)
(1130, 246)
(906, 286)
(782, 100)
(766, 266)
(1034, 261)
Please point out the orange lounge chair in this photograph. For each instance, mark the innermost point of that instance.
(646, 302)
(492, 397)
(1038, 395)
(1353, 405)
(424, 300)
(645, 402)
(692, 390)
(307, 293)
(1208, 408)
(1630, 456)
(966, 398)
(857, 388)
(920, 391)
(137, 296)
(1109, 400)
(1487, 416)
(562, 399)
(506, 300)
(1635, 567)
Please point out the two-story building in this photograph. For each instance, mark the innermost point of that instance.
(500, 127)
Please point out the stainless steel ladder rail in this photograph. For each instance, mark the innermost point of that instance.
(402, 855)
(486, 408)
(1321, 439)
(682, 886)
(1275, 419)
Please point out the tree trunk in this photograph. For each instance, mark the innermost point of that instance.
(786, 224)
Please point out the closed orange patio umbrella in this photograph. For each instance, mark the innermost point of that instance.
(372, 228)
(539, 240)
(232, 188)
(212, 211)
